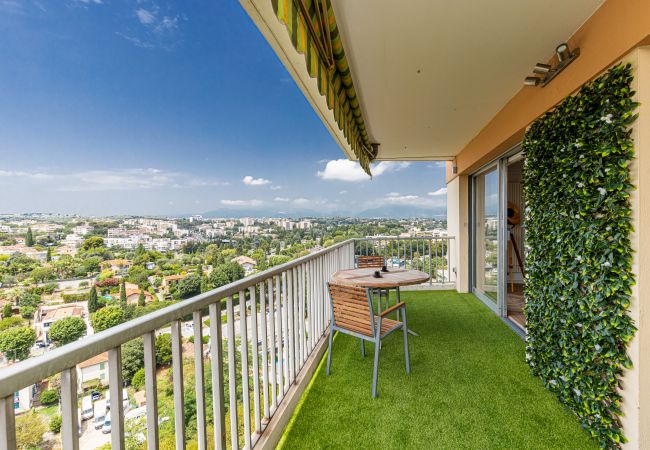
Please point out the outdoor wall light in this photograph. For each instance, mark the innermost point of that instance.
(562, 52)
(564, 57)
(542, 68)
(532, 81)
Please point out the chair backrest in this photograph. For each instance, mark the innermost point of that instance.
(370, 261)
(351, 309)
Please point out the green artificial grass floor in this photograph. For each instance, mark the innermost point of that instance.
(469, 388)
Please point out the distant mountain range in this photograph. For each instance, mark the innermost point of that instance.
(390, 211)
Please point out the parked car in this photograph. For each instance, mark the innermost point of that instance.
(100, 415)
(87, 411)
(96, 395)
(106, 428)
(125, 400)
(136, 413)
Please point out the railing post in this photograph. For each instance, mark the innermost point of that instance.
(289, 302)
(285, 333)
(198, 381)
(243, 336)
(151, 392)
(280, 337)
(255, 360)
(274, 371)
(177, 372)
(115, 389)
(232, 374)
(264, 349)
(70, 427)
(301, 311)
(216, 361)
(430, 265)
(7, 424)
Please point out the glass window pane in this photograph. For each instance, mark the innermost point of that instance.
(487, 232)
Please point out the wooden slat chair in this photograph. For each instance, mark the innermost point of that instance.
(352, 314)
(375, 261)
(370, 261)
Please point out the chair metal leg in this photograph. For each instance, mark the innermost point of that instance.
(397, 301)
(363, 349)
(329, 351)
(374, 370)
(406, 343)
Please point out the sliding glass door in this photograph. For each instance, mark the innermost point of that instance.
(486, 230)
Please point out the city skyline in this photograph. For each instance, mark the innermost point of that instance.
(167, 108)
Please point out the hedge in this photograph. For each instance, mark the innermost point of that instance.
(578, 252)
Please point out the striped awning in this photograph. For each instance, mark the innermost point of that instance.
(313, 31)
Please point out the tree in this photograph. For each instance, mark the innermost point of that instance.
(15, 342)
(29, 237)
(141, 299)
(276, 260)
(67, 330)
(10, 322)
(189, 286)
(48, 256)
(123, 294)
(29, 431)
(107, 317)
(27, 312)
(164, 349)
(41, 274)
(138, 379)
(29, 299)
(7, 310)
(224, 274)
(49, 396)
(132, 358)
(93, 303)
(55, 423)
(93, 242)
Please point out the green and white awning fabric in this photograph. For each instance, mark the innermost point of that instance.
(313, 31)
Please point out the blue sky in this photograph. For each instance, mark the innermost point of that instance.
(161, 107)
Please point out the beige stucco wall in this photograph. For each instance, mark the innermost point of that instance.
(636, 383)
(458, 227)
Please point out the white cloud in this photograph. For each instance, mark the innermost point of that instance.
(441, 191)
(301, 201)
(281, 199)
(343, 192)
(145, 17)
(250, 181)
(395, 198)
(242, 202)
(113, 180)
(275, 188)
(346, 170)
(167, 23)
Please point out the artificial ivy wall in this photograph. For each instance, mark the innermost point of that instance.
(578, 252)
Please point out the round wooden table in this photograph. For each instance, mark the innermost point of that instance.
(393, 279)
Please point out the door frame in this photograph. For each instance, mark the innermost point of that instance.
(495, 164)
(501, 163)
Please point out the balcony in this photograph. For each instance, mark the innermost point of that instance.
(470, 386)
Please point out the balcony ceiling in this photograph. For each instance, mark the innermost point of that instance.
(431, 74)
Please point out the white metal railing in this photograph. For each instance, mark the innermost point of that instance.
(431, 254)
(283, 314)
(293, 317)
